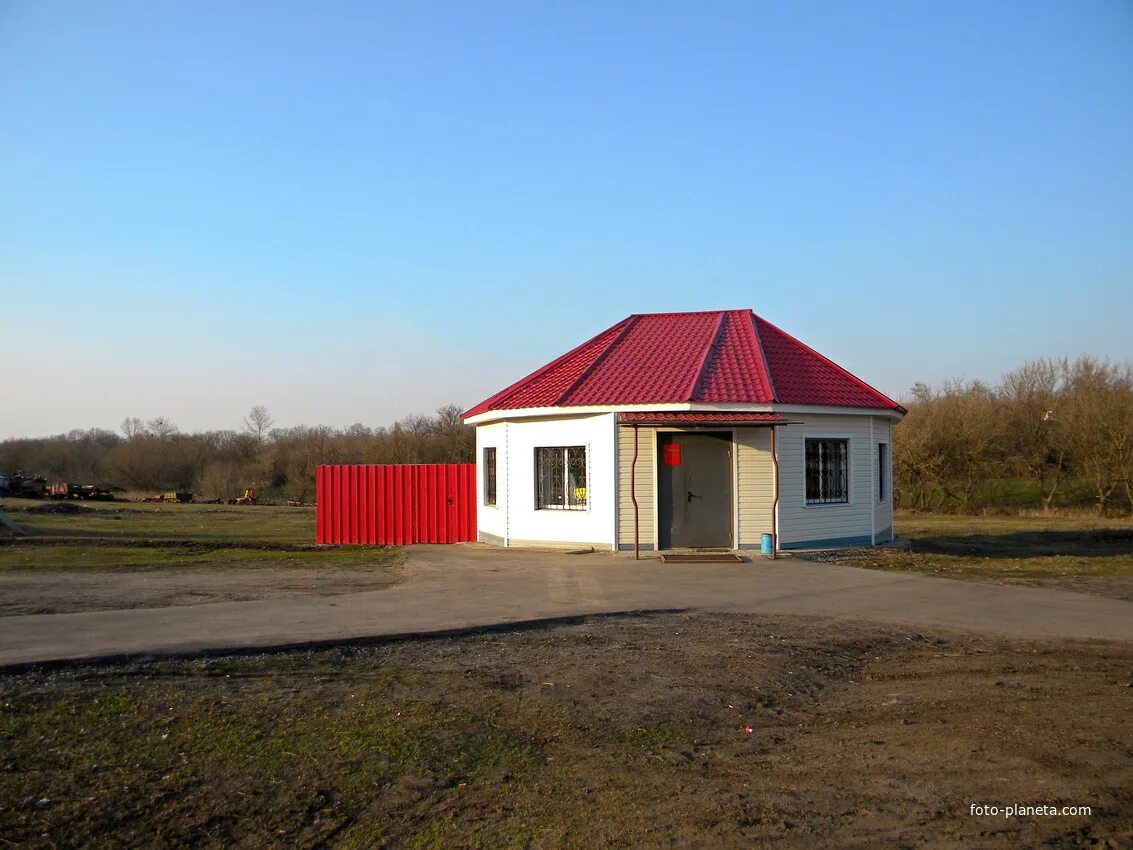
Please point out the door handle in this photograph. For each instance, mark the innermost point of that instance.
(692, 495)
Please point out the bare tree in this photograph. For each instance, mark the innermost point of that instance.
(161, 427)
(133, 426)
(258, 423)
(1099, 407)
(1033, 397)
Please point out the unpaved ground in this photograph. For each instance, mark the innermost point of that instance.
(53, 592)
(623, 732)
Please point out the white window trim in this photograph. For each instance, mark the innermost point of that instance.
(563, 509)
(849, 471)
(484, 479)
(889, 478)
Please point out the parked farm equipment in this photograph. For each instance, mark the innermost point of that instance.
(23, 486)
(181, 497)
(79, 491)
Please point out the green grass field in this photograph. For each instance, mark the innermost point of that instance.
(135, 536)
(139, 520)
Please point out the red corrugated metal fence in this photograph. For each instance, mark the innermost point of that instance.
(395, 504)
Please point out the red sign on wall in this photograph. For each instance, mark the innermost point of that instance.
(671, 454)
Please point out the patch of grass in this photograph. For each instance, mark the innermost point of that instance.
(919, 526)
(102, 557)
(960, 566)
(123, 536)
(1087, 553)
(247, 523)
(305, 751)
(626, 731)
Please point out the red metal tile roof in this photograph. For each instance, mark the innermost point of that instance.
(693, 417)
(663, 358)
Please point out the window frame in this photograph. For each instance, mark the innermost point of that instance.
(576, 507)
(849, 466)
(882, 466)
(490, 491)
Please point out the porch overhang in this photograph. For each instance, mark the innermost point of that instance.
(697, 418)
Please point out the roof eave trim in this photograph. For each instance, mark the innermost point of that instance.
(498, 414)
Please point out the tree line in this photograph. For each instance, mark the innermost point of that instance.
(156, 456)
(1052, 433)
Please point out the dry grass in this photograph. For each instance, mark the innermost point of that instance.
(245, 523)
(614, 732)
(1084, 553)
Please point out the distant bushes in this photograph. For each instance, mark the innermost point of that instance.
(1052, 433)
(155, 456)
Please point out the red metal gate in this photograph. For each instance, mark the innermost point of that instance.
(395, 504)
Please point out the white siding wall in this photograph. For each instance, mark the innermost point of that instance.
(610, 509)
(755, 487)
(644, 486)
(883, 508)
(799, 523)
(526, 526)
(492, 521)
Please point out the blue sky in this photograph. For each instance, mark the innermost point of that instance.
(353, 211)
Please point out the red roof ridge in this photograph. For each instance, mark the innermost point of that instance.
(702, 369)
(832, 364)
(751, 317)
(629, 322)
(686, 313)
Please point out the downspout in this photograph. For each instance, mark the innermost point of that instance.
(633, 498)
(775, 501)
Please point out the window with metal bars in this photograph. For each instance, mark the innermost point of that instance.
(827, 471)
(490, 475)
(882, 471)
(560, 478)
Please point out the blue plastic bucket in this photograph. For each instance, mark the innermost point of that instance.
(766, 544)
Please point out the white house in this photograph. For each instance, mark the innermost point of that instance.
(686, 430)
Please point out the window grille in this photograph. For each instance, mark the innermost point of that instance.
(881, 472)
(827, 472)
(490, 476)
(560, 478)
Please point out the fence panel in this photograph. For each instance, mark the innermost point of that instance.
(395, 504)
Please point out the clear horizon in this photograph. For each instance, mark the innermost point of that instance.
(355, 213)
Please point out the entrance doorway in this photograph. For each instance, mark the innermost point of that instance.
(694, 490)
